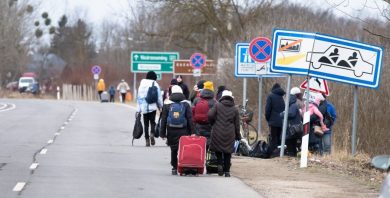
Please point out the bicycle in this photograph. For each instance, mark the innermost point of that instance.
(248, 131)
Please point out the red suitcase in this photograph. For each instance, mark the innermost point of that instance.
(192, 152)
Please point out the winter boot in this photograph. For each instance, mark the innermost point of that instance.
(227, 174)
(147, 142)
(174, 171)
(152, 141)
(220, 170)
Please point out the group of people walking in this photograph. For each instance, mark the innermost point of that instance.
(123, 89)
(322, 118)
(201, 113)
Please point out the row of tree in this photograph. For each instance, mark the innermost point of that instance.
(187, 26)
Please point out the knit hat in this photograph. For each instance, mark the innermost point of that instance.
(227, 93)
(208, 85)
(295, 90)
(151, 75)
(176, 89)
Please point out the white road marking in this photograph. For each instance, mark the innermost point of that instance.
(34, 166)
(66, 123)
(43, 151)
(57, 134)
(19, 186)
(62, 128)
(50, 142)
(12, 106)
(3, 106)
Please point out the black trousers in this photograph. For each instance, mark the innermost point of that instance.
(149, 118)
(291, 146)
(225, 160)
(112, 98)
(174, 150)
(123, 95)
(274, 139)
(100, 94)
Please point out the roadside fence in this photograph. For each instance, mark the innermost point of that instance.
(78, 92)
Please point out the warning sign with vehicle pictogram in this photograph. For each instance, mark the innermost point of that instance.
(326, 57)
(317, 85)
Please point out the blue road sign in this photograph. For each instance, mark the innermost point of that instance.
(96, 69)
(198, 61)
(260, 49)
(326, 57)
(246, 67)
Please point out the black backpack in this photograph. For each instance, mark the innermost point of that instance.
(260, 150)
(152, 95)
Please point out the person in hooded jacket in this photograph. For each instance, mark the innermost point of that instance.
(101, 86)
(183, 86)
(294, 117)
(225, 120)
(149, 110)
(274, 106)
(173, 134)
(207, 93)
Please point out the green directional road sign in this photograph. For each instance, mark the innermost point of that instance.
(161, 62)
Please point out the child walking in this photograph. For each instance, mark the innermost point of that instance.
(176, 121)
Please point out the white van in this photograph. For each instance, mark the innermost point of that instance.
(26, 83)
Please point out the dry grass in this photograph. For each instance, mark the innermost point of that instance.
(343, 163)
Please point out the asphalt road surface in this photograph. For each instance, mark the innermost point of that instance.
(83, 149)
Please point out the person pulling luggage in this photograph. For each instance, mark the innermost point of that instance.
(176, 121)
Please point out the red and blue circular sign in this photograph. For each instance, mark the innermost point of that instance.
(198, 60)
(96, 69)
(260, 49)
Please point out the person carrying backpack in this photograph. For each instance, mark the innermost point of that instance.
(225, 121)
(200, 110)
(149, 99)
(176, 121)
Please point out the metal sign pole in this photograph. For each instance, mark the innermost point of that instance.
(244, 87)
(354, 118)
(135, 87)
(285, 115)
(260, 105)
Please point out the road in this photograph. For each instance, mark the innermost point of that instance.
(83, 149)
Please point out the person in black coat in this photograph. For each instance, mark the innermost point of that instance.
(294, 118)
(173, 134)
(274, 106)
(183, 86)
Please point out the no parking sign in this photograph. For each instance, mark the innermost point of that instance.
(260, 49)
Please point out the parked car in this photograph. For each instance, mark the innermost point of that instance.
(26, 84)
(383, 162)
